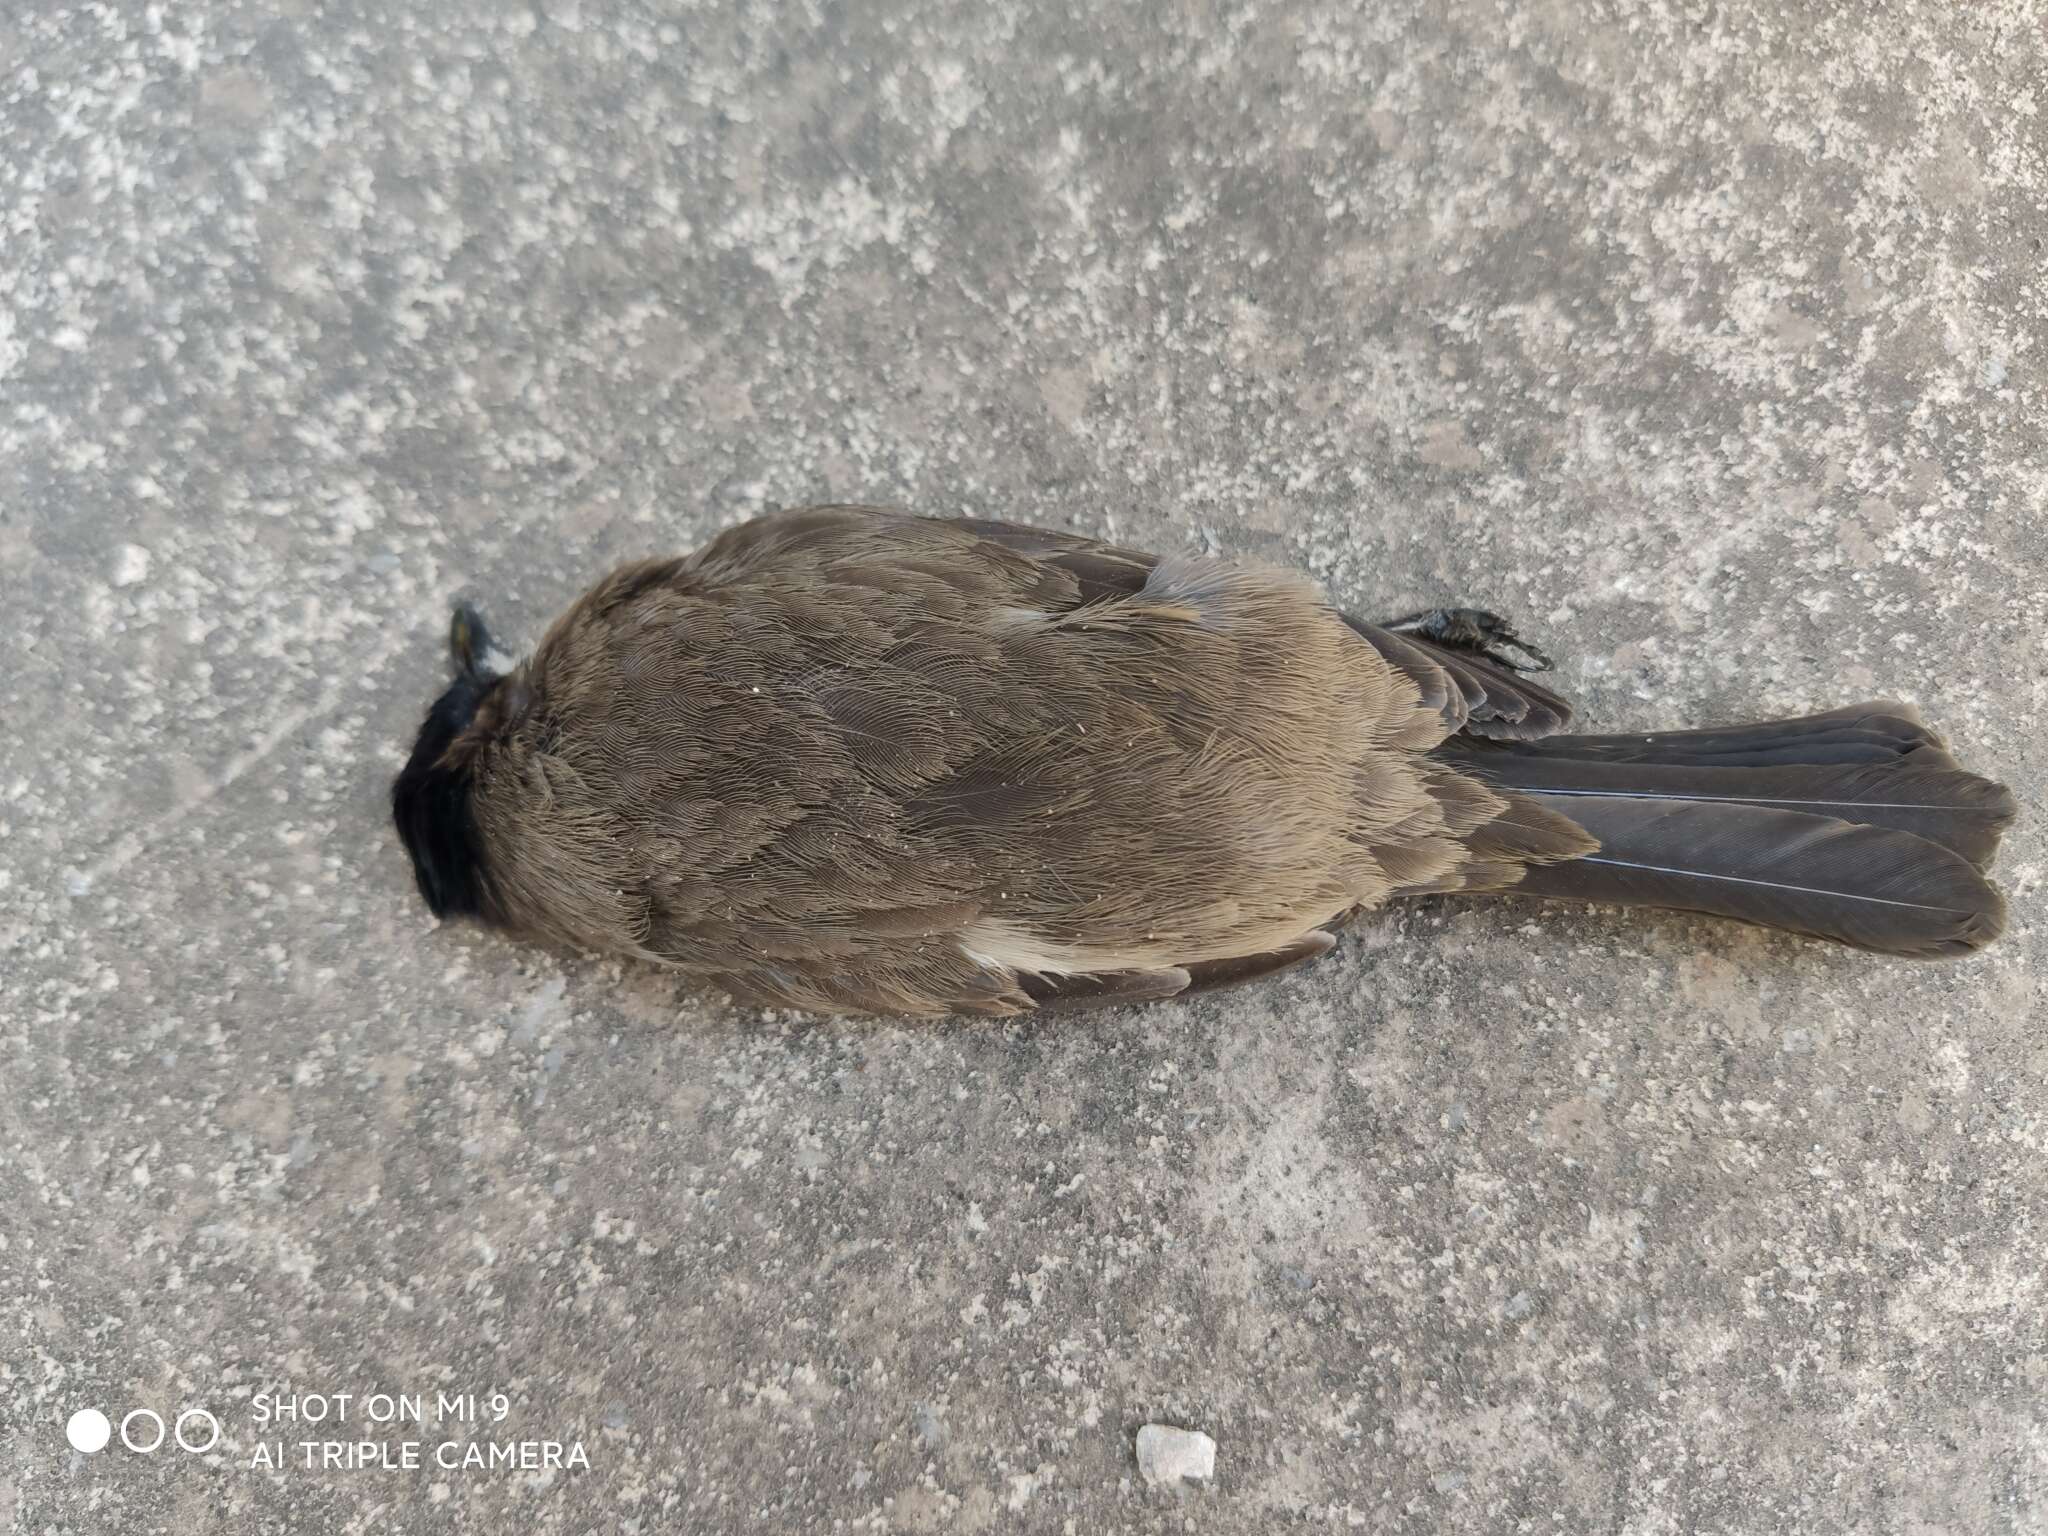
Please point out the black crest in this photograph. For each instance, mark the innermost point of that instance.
(430, 802)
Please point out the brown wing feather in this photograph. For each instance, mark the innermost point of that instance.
(1476, 695)
(1101, 571)
(1075, 993)
(1219, 975)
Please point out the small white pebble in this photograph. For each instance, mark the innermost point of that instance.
(131, 564)
(1168, 1456)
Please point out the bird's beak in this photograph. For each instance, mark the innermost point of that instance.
(469, 642)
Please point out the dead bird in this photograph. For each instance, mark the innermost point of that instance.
(848, 759)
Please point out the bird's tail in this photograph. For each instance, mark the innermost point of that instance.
(1855, 825)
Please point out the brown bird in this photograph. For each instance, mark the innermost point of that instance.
(848, 759)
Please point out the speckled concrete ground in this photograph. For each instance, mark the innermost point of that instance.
(1710, 345)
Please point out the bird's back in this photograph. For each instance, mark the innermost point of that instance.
(847, 758)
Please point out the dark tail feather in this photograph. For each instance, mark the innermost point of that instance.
(1961, 812)
(1869, 887)
(1854, 826)
(1881, 732)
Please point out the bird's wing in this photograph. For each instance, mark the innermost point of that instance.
(1474, 693)
(1477, 695)
(1102, 571)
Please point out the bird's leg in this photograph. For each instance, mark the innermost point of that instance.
(469, 641)
(1474, 629)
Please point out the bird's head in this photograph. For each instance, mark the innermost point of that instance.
(431, 800)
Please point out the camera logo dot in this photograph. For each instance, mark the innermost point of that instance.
(88, 1431)
(142, 1413)
(213, 1431)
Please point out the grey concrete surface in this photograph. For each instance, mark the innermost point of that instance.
(1707, 340)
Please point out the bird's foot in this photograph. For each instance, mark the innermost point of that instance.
(1476, 630)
